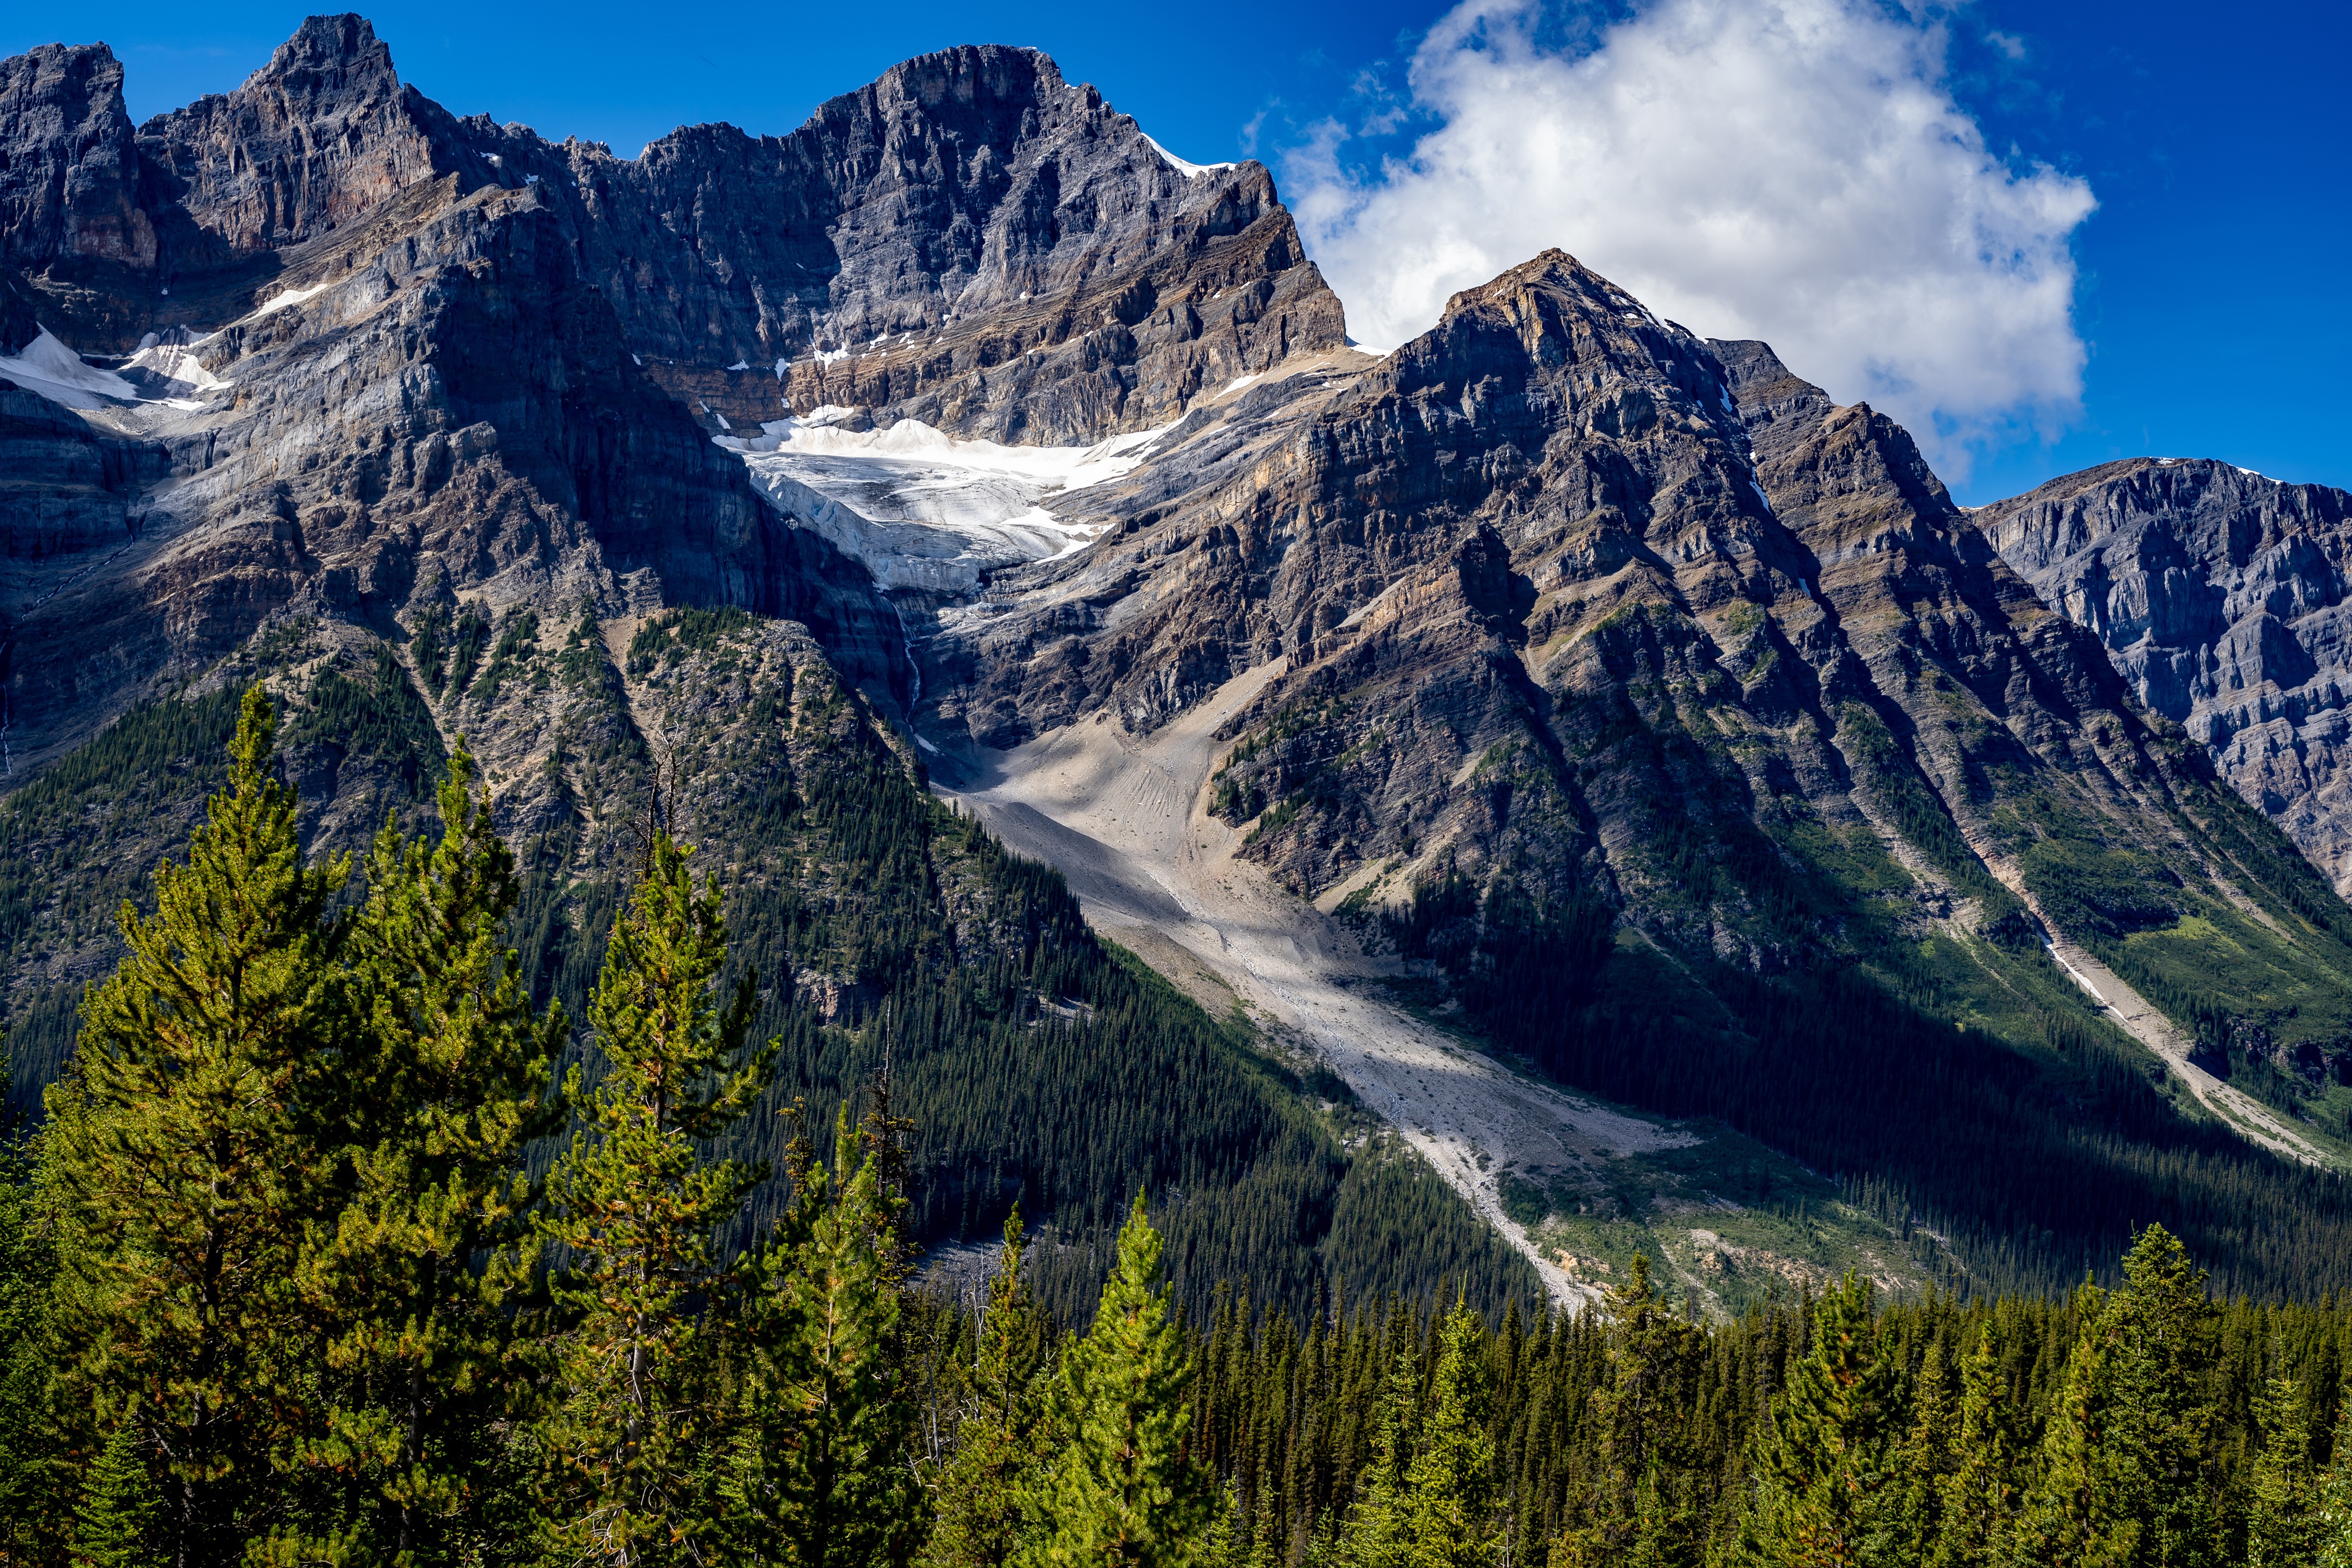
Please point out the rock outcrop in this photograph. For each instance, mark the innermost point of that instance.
(69, 172)
(2220, 597)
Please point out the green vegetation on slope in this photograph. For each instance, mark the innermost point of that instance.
(1957, 1068)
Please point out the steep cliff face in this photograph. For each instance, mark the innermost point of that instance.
(69, 180)
(358, 377)
(971, 241)
(2220, 597)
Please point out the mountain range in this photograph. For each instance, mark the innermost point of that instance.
(1567, 787)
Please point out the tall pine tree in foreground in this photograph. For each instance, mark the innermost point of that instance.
(192, 1139)
(2128, 1470)
(634, 1446)
(1825, 1462)
(2284, 1527)
(1128, 1491)
(417, 1276)
(987, 1516)
(26, 1452)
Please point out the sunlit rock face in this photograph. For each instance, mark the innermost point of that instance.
(2221, 595)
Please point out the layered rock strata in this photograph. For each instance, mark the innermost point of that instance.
(2221, 595)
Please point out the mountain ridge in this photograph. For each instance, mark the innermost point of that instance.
(1559, 638)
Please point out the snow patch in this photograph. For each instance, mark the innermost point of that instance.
(1190, 171)
(741, 365)
(927, 745)
(288, 299)
(176, 362)
(1239, 382)
(832, 357)
(56, 373)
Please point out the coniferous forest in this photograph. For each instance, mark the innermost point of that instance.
(328, 1249)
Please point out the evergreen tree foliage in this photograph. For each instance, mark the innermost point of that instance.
(1981, 1493)
(2128, 1460)
(2284, 1525)
(987, 1515)
(1630, 1514)
(823, 1472)
(1379, 1531)
(1450, 1484)
(632, 1443)
(1128, 1489)
(114, 1522)
(2332, 1515)
(417, 1274)
(194, 1139)
(25, 1438)
(1825, 1464)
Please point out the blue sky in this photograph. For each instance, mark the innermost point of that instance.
(2209, 289)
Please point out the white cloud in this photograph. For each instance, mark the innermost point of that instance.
(1792, 170)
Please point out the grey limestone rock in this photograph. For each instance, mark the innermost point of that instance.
(2219, 594)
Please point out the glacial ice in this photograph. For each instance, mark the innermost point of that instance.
(924, 509)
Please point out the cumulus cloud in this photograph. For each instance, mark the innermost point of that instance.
(1792, 170)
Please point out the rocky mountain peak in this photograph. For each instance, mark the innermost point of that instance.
(320, 135)
(69, 169)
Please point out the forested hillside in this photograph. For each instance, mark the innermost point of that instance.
(276, 1285)
(887, 934)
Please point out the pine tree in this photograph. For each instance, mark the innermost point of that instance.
(1128, 1491)
(1912, 1523)
(1631, 1511)
(416, 1275)
(28, 1452)
(633, 1443)
(191, 1144)
(2127, 1473)
(823, 1470)
(2284, 1529)
(114, 1522)
(2332, 1516)
(1825, 1460)
(1378, 1532)
(985, 1494)
(1981, 1495)
(1451, 1483)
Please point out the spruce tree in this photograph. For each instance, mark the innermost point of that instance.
(2284, 1528)
(1630, 1509)
(2128, 1463)
(2332, 1515)
(1128, 1492)
(1451, 1483)
(1911, 1523)
(28, 1448)
(1378, 1530)
(114, 1521)
(634, 1444)
(192, 1142)
(1981, 1495)
(450, 1072)
(986, 1492)
(1824, 1460)
(821, 1471)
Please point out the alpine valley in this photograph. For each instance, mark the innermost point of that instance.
(1443, 822)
